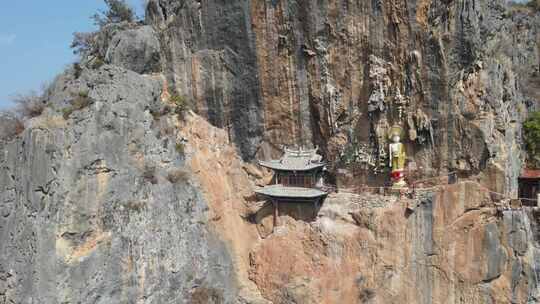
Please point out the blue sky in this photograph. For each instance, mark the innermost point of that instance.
(34, 40)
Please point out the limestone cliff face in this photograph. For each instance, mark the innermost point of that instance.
(337, 74)
(456, 247)
(115, 194)
(99, 206)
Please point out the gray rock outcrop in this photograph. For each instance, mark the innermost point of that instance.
(89, 213)
(135, 49)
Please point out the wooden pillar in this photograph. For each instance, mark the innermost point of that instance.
(316, 205)
(275, 204)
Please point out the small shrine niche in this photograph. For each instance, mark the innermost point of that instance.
(529, 187)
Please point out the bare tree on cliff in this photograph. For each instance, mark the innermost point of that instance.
(10, 125)
(117, 11)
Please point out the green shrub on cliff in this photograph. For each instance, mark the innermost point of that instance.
(81, 101)
(180, 102)
(180, 148)
(531, 134)
(117, 11)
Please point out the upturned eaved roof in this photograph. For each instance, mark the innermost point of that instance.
(296, 160)
(530, 174)
(280, 191)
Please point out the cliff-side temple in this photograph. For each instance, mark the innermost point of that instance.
(298, 177)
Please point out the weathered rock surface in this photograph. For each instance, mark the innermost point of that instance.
(135, 49)
(93, 223)
(93, 209)
(456, 75)
(116, 195)
(455, 248)
(209, 56)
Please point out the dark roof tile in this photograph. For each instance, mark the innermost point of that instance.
(296, 160)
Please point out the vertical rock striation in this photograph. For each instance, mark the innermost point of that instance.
(337, 74)
(209, 56)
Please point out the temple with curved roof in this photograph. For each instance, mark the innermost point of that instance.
(296, 161)
(298, 177)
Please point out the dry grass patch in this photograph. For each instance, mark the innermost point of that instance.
(149, 174)
(177, 176)
(11, 125)
(81, 101)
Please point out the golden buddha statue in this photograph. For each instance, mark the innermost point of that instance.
(397, 156)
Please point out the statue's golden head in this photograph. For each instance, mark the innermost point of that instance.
(395, 133)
